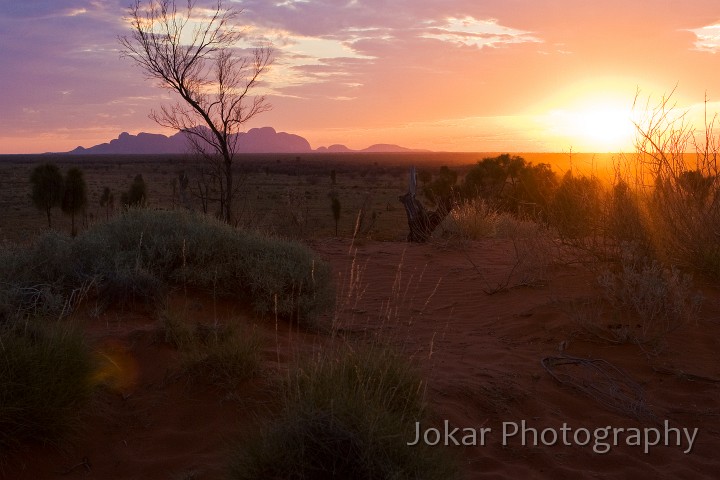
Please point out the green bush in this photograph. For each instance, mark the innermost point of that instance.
(226, 354)
(133, 254)
(45, 372)
(346, 415)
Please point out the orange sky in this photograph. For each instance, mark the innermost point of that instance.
(451, 75)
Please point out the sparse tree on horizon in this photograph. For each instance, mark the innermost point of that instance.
(74, 196)
(107, 200)
(336, 208)
(136, 196)
(47, 188)
(195, 56)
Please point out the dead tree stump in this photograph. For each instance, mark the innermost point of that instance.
(422, 222)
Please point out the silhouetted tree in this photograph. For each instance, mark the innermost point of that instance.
(107, 200)
(509, 182)
(47, 188)
(191, 53)
(136, 196)
(441, 189)
(74, 196)
(335, 206)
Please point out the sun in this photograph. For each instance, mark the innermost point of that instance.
(593, 115)
(606, 128)
(594, 126)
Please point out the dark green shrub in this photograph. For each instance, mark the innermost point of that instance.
(349, 415)
(47, 188)
(45, 372)
(140, 250)
(74, 196)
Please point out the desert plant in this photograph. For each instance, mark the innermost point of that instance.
(74, 196)
(575, 210)
(45, 372)
(510, 183)
(107, 201)
(335, 207)
(47, 188)
(475, 219)
(441, 188)
(662, 298)
(348, 413)
(180, 247)
(226, 354)
(136, 196)
(133, 255)
(196, 58)
(681, 190)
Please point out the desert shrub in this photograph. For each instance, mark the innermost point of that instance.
(684, 226)
(127, 288)
(439, 189)
(136, 196)
(509, 182)
(661, 298)
(336, 209)
(575, 209)
(74, 197)
(47, 188)
(133, 255)
(475, 219)
(346, 415)
(45, 372)
(681, 190)
(273, 275)
(226, 354)
(36, 280)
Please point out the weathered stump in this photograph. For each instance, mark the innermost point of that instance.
(421, 222)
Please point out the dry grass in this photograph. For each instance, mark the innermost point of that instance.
(347, 413)
(223, 353)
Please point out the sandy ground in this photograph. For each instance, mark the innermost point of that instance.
(482, 356)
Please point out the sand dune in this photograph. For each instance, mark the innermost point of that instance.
(481, 355)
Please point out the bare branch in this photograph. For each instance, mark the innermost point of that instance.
(197, 60)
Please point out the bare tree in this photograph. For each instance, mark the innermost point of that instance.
(195, 56)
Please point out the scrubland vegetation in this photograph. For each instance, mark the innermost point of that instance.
(648, 234)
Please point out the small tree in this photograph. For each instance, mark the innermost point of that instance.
(193, 55)
(335, 206)
(47, 188)
(107, 200)
(75, 195)
(136, 196)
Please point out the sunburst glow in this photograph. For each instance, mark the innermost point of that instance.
(594, 125)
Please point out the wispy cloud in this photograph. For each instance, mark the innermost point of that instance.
(708, 38)
(470, 31)
(393, 66)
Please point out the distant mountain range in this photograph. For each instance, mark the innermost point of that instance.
(255, 140)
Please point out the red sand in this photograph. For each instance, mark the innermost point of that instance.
(481, 355)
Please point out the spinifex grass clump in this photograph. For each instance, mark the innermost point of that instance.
(45, 382)
(129, 258)
(347, 414)
(226, 354)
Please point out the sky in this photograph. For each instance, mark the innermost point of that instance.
(444, 75)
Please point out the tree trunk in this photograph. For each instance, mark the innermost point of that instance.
(47, 210)
(422, 223)
(228, 191)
